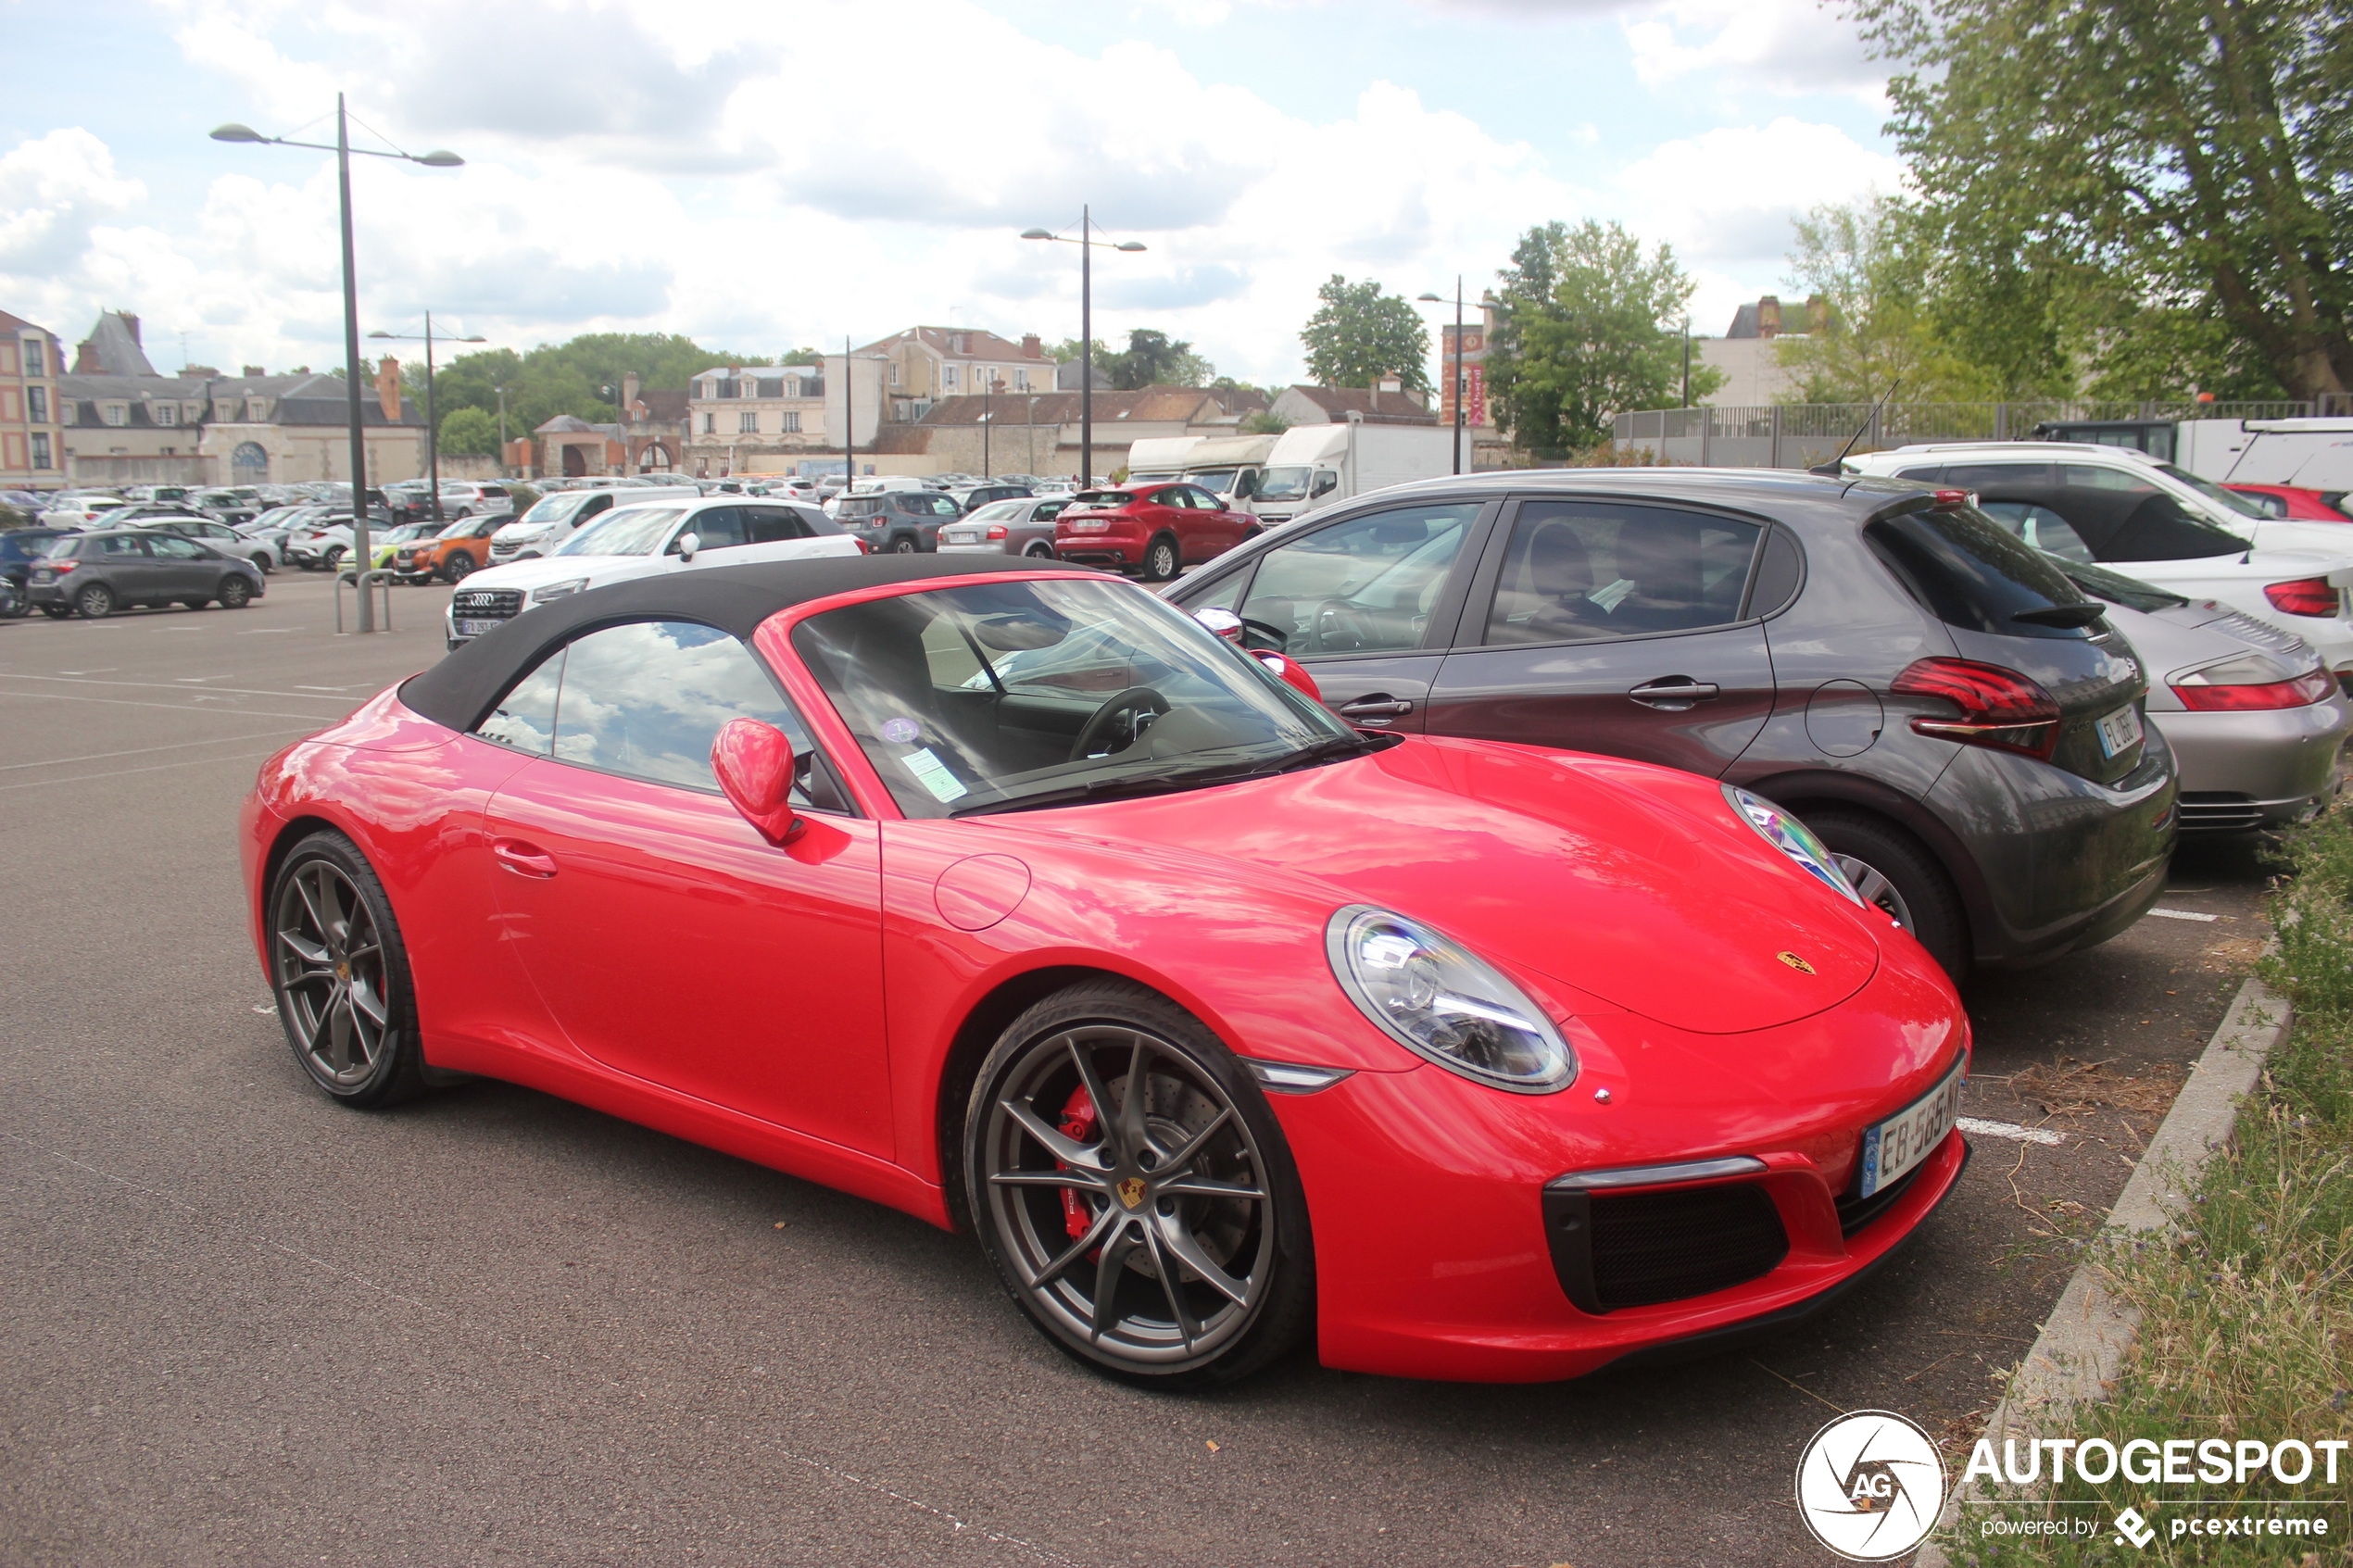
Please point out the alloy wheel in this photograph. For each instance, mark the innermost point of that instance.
(331, 973)
(1129, 1197)
(95, 602)
(1873, 884)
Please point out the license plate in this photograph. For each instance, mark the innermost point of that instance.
(1095, 526)
(1902, 1141)
(44, 577)
(2120, 731)
(958, 536)
(478, 627)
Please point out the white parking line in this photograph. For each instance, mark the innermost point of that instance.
(2182, 914)
(2012, 1131)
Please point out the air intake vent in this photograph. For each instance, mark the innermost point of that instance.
(1638, 1249)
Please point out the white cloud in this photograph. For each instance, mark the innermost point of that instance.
(53, 194)
(1725, 199)
(1782, 46)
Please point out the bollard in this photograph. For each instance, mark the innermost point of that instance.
(380, 577)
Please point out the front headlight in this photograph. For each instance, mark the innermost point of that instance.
(1439, 1002)
(559, 590)
(1790, 836)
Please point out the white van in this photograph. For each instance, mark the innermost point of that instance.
(1315, 466)
(558, 517)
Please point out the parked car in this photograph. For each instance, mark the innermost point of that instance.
(454, 553)
(387, 545)
(68, 510)
(554, 519)
(647, 540)
(2297, 502)
(2161, 524)
(1154, 531)
(19, 549)
(1024, 527)
(95, 574)
(972, 497)
(218, 535)
(1853, 650)
(2256, 724)
(1604, 1059)
(902, 521)
(320, 541)
(222, 504)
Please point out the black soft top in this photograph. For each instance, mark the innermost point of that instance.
(459, 691)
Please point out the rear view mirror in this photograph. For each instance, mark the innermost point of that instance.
(754, 763)
(688, 542)
(1224, 622)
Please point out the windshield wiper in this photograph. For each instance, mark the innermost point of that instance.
(1073, 794)
(1321, 751)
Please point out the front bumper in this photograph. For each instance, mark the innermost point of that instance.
(2246, 770)
(1426, 1192)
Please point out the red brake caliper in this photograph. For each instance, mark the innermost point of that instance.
(1078, 1126)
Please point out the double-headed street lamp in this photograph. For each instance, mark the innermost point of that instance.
(1459, 389)
(342, 150)
(1087, 245)
(432, 425)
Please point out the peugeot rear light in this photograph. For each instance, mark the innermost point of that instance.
(1998, 707)
(2306, 596)
(2249, 684)
(63, 564)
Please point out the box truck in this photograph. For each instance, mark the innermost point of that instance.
(1311, 467)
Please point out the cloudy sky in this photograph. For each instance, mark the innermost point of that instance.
(766, 175)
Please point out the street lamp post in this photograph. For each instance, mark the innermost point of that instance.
(433, 421)
(987, 389)
(342, 150)
(502, 427)
(1458, 386)
(1085, 243)
(849, 412)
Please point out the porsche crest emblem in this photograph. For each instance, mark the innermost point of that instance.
(1795, 963)
(1131, 1191)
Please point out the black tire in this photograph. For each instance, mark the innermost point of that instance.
(235, 592)
(1253, 1230)
(1160, 560)
(906, 544)
(458, 567)
(1039, 550)
(333, 559)
(1896, 872)
(265, 563)
(94, 602)
(341, 973)
(57, 612)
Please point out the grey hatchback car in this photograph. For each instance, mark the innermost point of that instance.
(95, 574)
(1958, 723)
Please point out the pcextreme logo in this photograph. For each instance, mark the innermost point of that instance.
(1869, 1486)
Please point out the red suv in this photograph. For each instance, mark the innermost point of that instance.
(1153, 530)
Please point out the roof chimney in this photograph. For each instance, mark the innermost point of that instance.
(1768, 316)
(132, 322)
(256, 370)
(85, 359)
(1030, 347)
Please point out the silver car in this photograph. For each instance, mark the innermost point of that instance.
(1021, 527)
(2258, 726)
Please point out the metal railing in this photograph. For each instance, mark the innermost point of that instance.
(1797, 436)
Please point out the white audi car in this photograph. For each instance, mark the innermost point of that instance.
(639, 541)
(2120, 508)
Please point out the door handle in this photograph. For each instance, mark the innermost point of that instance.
(1675, 693)
(523, 860)
(1380, 705)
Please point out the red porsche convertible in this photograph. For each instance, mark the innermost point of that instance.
(1016, 900)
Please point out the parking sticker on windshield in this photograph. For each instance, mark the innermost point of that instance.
(933, 774)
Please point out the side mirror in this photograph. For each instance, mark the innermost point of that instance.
(688, 542)
(1224, 622)
(754, 762)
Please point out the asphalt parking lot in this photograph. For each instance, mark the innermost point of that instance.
(243, 1324)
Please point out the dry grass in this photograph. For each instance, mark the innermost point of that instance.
(2069, 1086)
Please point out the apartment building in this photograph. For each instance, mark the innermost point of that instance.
(31, 440)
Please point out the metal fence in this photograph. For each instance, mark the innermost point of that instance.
(1797, 436)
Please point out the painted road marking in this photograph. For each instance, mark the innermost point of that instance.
(2182, 914)
(2012, 1131)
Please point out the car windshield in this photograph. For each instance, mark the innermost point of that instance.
(1106, 498)
(634, 531)
(1219, 479)
(456, 530)
(1284, 483)
(2244, 505)
(999, 696)
(996, 511)
(2117, 588)
(558, 508)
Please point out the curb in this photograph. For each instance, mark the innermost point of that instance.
(2078, 1354)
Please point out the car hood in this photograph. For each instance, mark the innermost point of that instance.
(2253, 565)
(537, 574)
(1632, 884)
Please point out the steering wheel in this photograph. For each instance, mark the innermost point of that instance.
(1276, 636)
(1340, 627)
(1099, 726)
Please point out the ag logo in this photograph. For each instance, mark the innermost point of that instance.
(1869, 1486)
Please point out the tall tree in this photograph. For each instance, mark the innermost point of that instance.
(1153, 359)
(1589, 326)
(1358, 336)
(2196, 155)
(1866, 265)
(468, 431)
